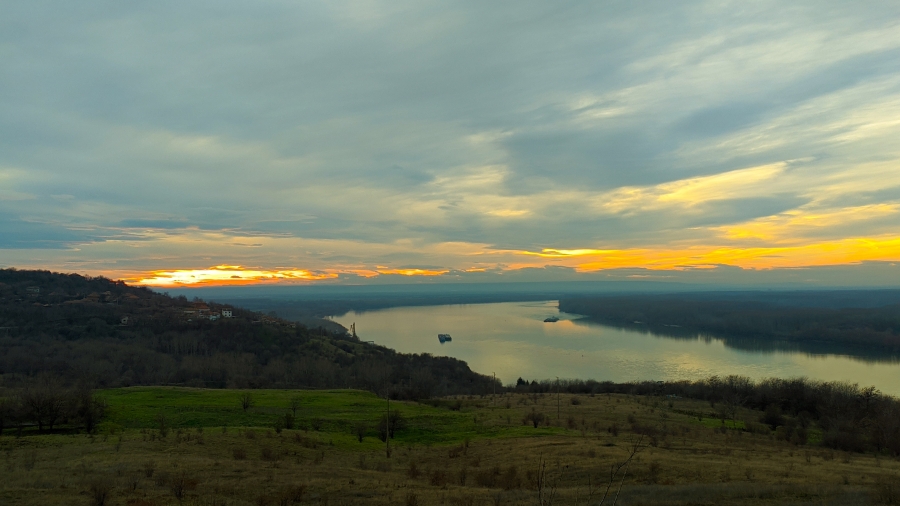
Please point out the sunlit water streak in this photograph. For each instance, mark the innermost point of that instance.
(512, 340)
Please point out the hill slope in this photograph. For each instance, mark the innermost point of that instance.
(112, 334)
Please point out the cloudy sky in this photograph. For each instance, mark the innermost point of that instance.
(173, 142)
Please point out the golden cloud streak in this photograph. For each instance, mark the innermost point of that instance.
(237, 275)
(413, 272)
(844, 251)
(227, 275)
(791, 223)
(837, 252)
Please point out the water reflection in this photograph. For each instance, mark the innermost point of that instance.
(745, 343)
(512, 340)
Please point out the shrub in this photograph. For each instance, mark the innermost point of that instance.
(180, 484)
(461, 476)
(534, 418)
(886, 491)
(292, 494)
(360, 431)
(488, 477)
(100, 491)
(438, 478)
(246, 401)
(239, 454)
(510, 480)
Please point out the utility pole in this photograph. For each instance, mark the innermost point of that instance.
(557, 397)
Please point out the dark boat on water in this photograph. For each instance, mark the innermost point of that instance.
(444, 338)
(551, 319)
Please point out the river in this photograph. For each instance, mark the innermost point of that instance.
(511, 340)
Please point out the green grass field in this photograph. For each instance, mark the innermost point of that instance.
(481, 452)
(335, 412)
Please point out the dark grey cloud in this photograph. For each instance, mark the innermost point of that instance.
(16, 233)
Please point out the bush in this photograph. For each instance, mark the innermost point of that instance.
(246, 401)
(388, 427)
(292, 494)
(180, 484)
(266, 453)
(886, 491)
(510, 480)
(488, 477)
(360, 430)
(438, 478)
(100, 491)
(534, 418)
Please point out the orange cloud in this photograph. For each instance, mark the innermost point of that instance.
(823, 253)
(413, 272)
(226, 275)
(237, 275)
(844, 251)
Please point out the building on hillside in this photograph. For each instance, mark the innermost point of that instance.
(226, 313)
(33, 291)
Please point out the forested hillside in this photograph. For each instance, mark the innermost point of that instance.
(877, 328)
(109, 334)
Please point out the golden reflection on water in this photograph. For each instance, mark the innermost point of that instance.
(512, 340)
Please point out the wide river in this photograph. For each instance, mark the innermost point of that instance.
(511, 340)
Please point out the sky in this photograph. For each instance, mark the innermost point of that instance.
(177, 143)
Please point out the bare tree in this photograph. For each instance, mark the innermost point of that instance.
(545, 486)
(90, 408)
(296, 401)
(246, 400)
(44, 402)
(360, 430)
(614, 470)
(6, 413)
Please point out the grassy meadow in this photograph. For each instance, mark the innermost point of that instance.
(173, 446)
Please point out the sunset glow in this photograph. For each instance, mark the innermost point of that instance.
(369, 147)
(226, 274)
(829, 253)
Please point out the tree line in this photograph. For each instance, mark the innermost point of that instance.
(845, 415)
(46, 403)
(874, 328)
